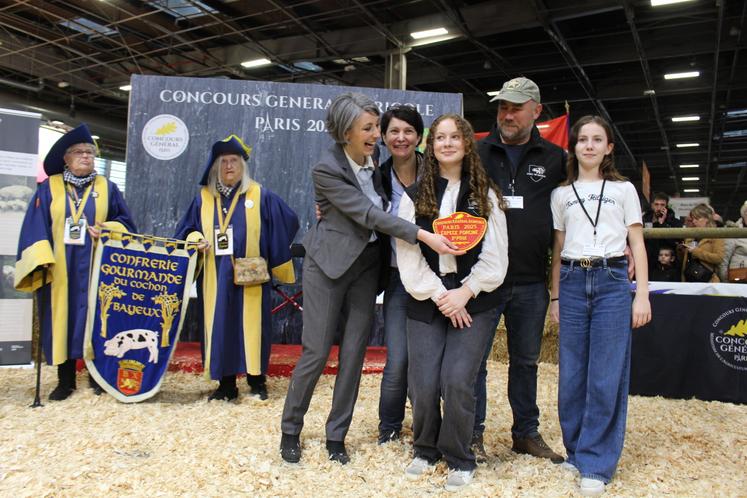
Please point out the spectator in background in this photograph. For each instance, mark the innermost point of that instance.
(701, 257)
(659, 216)
(735, 254)
(665, 269)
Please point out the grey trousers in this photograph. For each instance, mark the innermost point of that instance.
(349, 300)
(443, 363)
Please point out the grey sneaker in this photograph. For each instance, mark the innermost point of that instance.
(458, 479)
(418, 467)
(569, 467)
(591, 487)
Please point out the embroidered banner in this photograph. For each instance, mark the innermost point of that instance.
(138, 299)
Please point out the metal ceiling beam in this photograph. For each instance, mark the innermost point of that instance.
(583, 79)
(732, 75)
(630, 16)
(712, 114)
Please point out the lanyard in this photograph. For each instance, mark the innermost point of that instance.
(599, 207)
(223, 225)
(77, 206)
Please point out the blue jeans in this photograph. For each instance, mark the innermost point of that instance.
(595, 338)
(394, 380)
(524, 307)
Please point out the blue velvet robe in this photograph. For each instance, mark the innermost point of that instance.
(41, 243)
(238, 323)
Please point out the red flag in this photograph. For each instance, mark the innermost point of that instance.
(555, 131)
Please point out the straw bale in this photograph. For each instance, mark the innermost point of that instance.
(178, 444)
(548, 350)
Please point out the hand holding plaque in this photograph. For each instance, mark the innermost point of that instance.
(462, 229)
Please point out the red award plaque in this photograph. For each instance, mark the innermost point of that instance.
(462, 229)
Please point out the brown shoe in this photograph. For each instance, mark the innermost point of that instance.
(478, 448)
(535, 446)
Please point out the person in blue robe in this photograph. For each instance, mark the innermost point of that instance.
(62, 223)
(250, 221)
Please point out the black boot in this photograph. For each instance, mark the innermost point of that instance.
(290, 448)
(337, 452)
(65, 381)
(97, 389)
(257, 386)
(227, 389)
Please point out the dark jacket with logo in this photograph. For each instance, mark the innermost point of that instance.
(540, 169)
(426, 310)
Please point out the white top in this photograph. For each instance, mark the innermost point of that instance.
(486, 274)
(620, 209)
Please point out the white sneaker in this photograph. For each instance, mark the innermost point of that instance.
(458, 479)
(591, 487)
(569, 467)
(417, 468)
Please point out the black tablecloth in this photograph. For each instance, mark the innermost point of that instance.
(695, 346)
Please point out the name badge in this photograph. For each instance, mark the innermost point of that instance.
(224, 242)
(514, 201)
(75, 233)
(592, 251)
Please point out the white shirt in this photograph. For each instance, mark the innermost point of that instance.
(620, 209)
(486, 275)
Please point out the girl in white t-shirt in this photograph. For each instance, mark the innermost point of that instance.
(595, 214)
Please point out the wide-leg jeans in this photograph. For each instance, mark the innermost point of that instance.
(595, 341)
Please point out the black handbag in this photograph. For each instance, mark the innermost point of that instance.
(695, 271)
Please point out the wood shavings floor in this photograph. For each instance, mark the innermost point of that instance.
(177, 444)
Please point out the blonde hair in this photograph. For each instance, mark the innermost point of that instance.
(214, 175)
(703, 211)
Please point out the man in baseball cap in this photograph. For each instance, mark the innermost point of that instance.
(527, 168)
(518, 91)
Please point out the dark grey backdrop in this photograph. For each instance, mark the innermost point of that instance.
(286, 140)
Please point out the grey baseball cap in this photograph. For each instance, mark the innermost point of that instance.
(518, 91)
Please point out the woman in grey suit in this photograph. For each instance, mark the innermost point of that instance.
(341, 269)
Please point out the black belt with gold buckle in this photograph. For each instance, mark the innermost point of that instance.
(594, 262)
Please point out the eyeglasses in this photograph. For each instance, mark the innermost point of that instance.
(82, 152)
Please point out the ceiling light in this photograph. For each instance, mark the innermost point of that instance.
(690, 178)
(735, 133)
(680, 119)
(63, 84)
(361, 59)
(542, 126)
(125, 88)
(256, 63)
(691, 190)
(493, 93)
(682, 146)
(738, 164)
(659, 3)
(308, 66)
(737, 113)
(419, 35)
(95, 137)
(677, 76)
(683, 166)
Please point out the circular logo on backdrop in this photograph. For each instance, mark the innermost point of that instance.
(165, 137)
(729, 338)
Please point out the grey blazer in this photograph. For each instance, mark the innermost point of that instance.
(348, 216)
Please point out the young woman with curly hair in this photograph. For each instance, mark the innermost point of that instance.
(451, 310)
